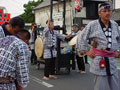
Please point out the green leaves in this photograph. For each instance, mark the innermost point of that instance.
(28, 14)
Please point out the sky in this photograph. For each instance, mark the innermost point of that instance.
(14, 7)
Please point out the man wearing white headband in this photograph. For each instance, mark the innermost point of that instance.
(107, 36)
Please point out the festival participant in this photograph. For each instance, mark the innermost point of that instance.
(85, 57)
(32, 43)
(14, 57)
(80, 59)
(50, 41)
(107, 36)
(15, 25)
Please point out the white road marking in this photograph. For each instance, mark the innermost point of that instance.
(40, 81)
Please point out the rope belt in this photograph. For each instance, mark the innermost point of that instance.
(6, 80)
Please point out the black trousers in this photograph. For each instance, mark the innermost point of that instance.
(49, 67)
(86, 61)
(33, 57)
(80, 63)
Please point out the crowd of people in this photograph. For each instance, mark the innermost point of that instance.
(15, 52)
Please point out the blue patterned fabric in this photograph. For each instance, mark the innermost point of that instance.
(94, 31)
(108, 33)
(14, 58)
(50, 42)
(2, 34)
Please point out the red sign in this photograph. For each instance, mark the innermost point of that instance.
(4, 17)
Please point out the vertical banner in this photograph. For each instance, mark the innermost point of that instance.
(78, 5)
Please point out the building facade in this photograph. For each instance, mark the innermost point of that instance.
(42, 13)
(117, 4)
(88, 13)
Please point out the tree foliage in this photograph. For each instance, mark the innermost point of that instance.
(28, 14)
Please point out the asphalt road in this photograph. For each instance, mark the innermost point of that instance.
(72, 81)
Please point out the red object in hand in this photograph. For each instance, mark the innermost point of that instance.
(19, 87)
(102, 63)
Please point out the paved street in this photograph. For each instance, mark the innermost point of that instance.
(73, 81)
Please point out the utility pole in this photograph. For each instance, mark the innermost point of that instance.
(64, 13)
(113, 2)
(51, 10)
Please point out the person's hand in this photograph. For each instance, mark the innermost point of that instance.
(91, 54)
(68, 36)
(48, 21)
(117, 54)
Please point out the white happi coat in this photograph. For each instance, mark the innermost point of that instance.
(94, 31)
(14, 60)
(2, 34)
(31, 41)
(18, 69)
(48, 42)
